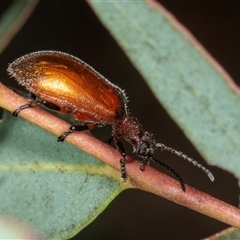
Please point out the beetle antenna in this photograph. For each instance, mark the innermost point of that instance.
(185, 157)
(169, 169)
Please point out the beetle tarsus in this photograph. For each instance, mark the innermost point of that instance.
(123, 169)
(17, 111)
(63, 136)
(142, 165)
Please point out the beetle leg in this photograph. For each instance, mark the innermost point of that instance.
(33, 103)
(74, 128)
(49, 105)
(143, 162)
(121, 149)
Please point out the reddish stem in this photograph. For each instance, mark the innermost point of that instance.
(155, 182)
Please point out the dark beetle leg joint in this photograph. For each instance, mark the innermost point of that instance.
(73, 128)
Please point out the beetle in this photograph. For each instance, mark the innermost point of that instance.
(62, 82)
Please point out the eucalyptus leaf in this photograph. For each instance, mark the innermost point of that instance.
(13, 19)
(227, 234)
(53, 187)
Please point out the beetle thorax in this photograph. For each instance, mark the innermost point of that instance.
(129, 129)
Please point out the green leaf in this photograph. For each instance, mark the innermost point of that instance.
(194, 90)
(226, 234)
(13, 19)
(48, 184)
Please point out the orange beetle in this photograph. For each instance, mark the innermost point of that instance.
(64, 83)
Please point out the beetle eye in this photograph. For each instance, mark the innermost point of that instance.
(144, 149)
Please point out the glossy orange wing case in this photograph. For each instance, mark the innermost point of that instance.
(71, 84)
